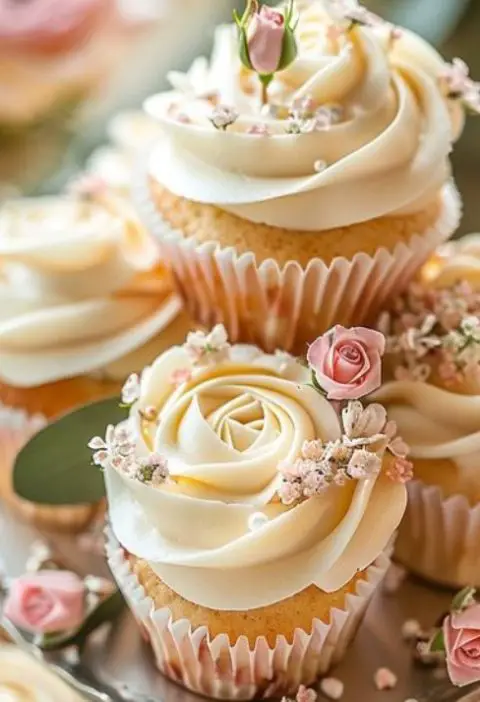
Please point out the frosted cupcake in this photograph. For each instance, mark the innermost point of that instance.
(312, 195)
(251, 517)
(434, 346)
(83, 298)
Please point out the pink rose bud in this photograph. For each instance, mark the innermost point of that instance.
(46, 602)
(346, 363)
(461, 632)
(265, 40)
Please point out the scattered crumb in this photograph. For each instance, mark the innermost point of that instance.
(411, 630)
(394, 579)
(332, 688)
(411, 699)
(385, 679)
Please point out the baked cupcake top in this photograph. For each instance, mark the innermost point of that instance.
(23, 679)
(433, 360)
(240, 483)
(80, 287)
(365, 114)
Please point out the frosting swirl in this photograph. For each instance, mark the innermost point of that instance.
(216, 531)
(80, 288)
(437, 424)
(384, 149)
(23, 679)
(455, 262)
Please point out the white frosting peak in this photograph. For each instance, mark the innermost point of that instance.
(76, 291)
(385, 148)
(224, 433)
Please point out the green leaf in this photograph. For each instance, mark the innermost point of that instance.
(437, 643)
(55, 467)
(289, 49)
(463, 599)
(243, 48)
(107, 611)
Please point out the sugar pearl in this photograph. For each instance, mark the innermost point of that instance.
(257, 520)
(332, 688)
(384, 679)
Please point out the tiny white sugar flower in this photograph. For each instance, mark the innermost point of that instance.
(204, 349)
(153, 469)
(456, 76)
(131, 390)
(471, 327)
(223, 117)
(351, 11)
(116, 450)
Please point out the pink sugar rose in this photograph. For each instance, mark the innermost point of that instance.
(46, 602)
(461, 632)
(265, 40)
(347, 362)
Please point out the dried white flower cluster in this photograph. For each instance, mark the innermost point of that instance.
(117, 451)
(306, 116)
(356, 456)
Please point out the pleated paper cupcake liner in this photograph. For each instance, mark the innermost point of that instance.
(287, 307)
(215, 668)
(439, 538)
(17, 427)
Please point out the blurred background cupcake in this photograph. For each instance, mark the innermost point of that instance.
(84, 300)
(316, 200)
(65, 66)
(433, 393)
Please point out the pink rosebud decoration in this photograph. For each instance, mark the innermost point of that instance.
(346, 363)
(461, 631)
(265, 40)
(46, 602)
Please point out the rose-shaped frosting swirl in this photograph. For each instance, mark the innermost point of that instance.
(383, 147)
(437, 424)
(80, 288)
(216, 531)
(22, 679)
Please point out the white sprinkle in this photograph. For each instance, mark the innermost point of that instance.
(411, 699)
(384, 679)
(257, 520)
(411, 629)
(320, 165)
(332, 688)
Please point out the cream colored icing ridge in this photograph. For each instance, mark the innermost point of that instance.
(224, 433)
(436, 423)
(455, 262)
(78, 289)
(387, 154)
(23, 679)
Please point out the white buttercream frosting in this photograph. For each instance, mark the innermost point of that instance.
(216, 532)
(79, 289)
(23, 679)
(455, 262)
(436, 423)
(385, 153)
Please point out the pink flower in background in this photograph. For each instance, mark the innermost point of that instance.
(265, 40)
(46, 602)
(347, 362)
(401, 471)
(461, 632)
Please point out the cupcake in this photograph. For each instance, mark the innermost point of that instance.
(434, 396)
(23, 678)
(310, 196)
(250, 516)
(83, 298)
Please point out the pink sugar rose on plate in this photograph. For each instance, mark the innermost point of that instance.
(46, 602)
(461, 631)
(347, 363)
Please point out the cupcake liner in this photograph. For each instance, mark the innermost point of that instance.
(286, 307)
(215, 668)
(16, 428)
(439, 538)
